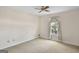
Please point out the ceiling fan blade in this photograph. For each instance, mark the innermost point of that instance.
(43, 8)
(47, 10)
(46, 7)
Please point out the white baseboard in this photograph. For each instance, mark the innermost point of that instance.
(71, 43)
(63, 41)
(20, 42)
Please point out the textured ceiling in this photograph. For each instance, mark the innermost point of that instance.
(53, 9)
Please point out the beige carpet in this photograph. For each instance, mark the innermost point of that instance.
(42, 46)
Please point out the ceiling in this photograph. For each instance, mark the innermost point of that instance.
(53, 9)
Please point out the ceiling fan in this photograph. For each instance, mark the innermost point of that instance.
(43, 8)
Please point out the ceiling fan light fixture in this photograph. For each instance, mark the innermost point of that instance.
(43, 8)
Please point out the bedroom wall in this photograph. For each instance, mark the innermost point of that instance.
(17, 27)
(69, 26)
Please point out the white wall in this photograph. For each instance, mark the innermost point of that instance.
(17, 27)
(69, 26)
(44, 27)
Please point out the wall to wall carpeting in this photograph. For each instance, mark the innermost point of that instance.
(69, 21)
